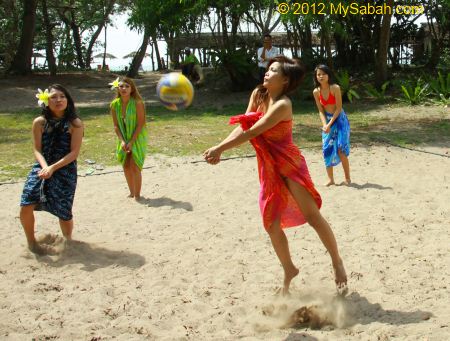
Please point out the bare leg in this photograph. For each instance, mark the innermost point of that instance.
(312, 214)
(129, 175)
(137, 179)
(330, 176)
(346, 167)
(27, 220)
(66, 228)
(281, 247)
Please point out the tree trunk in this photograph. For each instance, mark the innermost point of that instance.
(436, 47)
(91, 45)
(77, 41)
(223, 20)
(158, 55)
(97, 32)
(139, 56)
(152, 55)
(104, 51)
(327, 42)
(306, 43)
(21, 63)
(49, 40)
(383, 47)
(75, 35)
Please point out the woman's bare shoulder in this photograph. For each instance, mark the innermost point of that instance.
(77, 123)
(335, 87)
(283, 103)
(39, 121)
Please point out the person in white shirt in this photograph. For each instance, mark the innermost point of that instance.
(266, 53)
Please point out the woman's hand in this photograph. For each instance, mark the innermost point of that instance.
(212, 155)
(46, 172)
(326, 128)
(129, 146)
(124, 147)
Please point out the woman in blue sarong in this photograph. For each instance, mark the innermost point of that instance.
(51, 183)
(335, 125)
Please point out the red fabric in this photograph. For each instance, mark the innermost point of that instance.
(278, 157)
(331, 99)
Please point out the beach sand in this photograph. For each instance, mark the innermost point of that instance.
(193, 262)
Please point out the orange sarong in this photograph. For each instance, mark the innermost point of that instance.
(278, 158)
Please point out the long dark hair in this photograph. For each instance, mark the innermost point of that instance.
(327, 70)
(291, 68)
(70, 112)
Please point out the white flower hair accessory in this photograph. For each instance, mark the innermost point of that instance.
(114, 84)
(43, 97)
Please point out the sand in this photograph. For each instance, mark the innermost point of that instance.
(193, 262)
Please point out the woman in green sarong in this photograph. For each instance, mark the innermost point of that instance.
(128, 114)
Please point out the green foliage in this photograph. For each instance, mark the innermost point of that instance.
(379, 95)
(442, 100)
(10, 22)
(441, 85)
(240, 59)
(444, 60)
(415, 92)
(240, 67)
(348, 91)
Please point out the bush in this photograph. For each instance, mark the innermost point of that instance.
(348, 91)
(415, 92)
(379, 95)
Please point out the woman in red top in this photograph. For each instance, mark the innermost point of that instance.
(287, 197)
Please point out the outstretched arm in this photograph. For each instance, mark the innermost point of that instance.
(281, 110)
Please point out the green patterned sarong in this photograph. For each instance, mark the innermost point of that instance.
(127, 128)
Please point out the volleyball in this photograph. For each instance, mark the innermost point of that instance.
(175, 91)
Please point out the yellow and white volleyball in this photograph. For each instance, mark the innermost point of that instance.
(175, 91)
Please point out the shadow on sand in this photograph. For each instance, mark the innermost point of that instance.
(93, 257)
(364, 312)
(368, 185)
(163, 201)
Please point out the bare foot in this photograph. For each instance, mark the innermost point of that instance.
(137, 198)
(347, 182)
(288, 276)
(41, 249)
(130, 195)
(340, 279)
(330, 183)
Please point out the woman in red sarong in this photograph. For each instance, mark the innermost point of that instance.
(287, 197)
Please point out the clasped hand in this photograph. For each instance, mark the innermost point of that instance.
(127, 146)
(46, 172)
(212, 155)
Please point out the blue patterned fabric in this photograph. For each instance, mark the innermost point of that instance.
(54, 195)
(337, 139)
